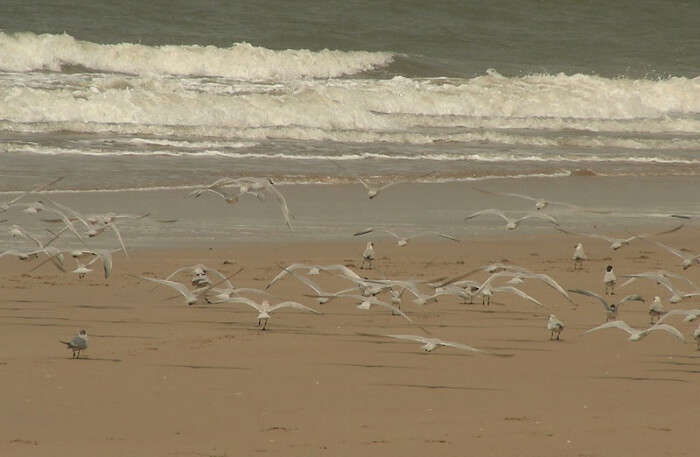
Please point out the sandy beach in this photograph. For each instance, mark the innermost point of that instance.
(163, 379)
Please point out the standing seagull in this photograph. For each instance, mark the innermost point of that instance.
(77, 344)
(696, 335)
(656, 310)
(555, 327)
(636, 334)
(579, 256)
(609, 281)
(368, 256)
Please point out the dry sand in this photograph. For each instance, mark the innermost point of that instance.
(164, 379)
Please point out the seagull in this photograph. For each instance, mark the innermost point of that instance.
(696, 335)
(611, 309)
(367, 302)
(656, 310)
(216, 189)
(403, 241)
(555, 327)
(661, 279)
(266, 185)
(105, 255)
(525, 275)
(617, 243)
(487, 292)
(368, 256)
(636, 334)
(321, 296)
(191, 296)
(511, 223)
(579, 256)
(540, 203)
(200, 275)
(373, 190)
(77, 344)
(609, 281)
(690, 314)
(4, 206)
(264, 308)
(310, 270)
(429, 344)
(688, 260)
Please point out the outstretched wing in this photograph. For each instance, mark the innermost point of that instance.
(594, 295)
(613, 324)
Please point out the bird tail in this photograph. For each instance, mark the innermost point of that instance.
(67, 343)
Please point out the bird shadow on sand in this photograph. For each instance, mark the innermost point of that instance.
(200, 367)
(368, 365)
(637, 378)
(87, 358)
(437, 387)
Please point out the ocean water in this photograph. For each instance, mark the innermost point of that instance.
(170, 94)
(177, 93)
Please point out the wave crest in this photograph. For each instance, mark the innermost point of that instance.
(25, 52)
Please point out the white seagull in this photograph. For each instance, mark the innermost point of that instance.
(688, 260)
(540, 203)
(637, 334)
(555, 327)
(403, 241)
(429, 344)
(264, 308)
(611, 309)
(512, 223)
(368, 256)
(617, 243)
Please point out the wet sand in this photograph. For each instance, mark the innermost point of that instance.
(164, 379)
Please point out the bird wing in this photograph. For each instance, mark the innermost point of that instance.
(667, 328)
(179, 270)
(222, 277)
(364, 232)
(364, 183)
(674, 251)
(460, 346)
(495, 212)
(633, 297)
(113, 226)
(246, 301)
(589, 235)
(617, 324)
(375, 301)
(282, 203)
(293, 304)
(441, 235)
(416, 338)
(285, 271)
(181, 288)
(546, 217)
(547, 280)
(519, 292)
(676, 312)
(588, 293)
(506, 194)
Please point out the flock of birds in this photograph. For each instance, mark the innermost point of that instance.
(208, 285)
